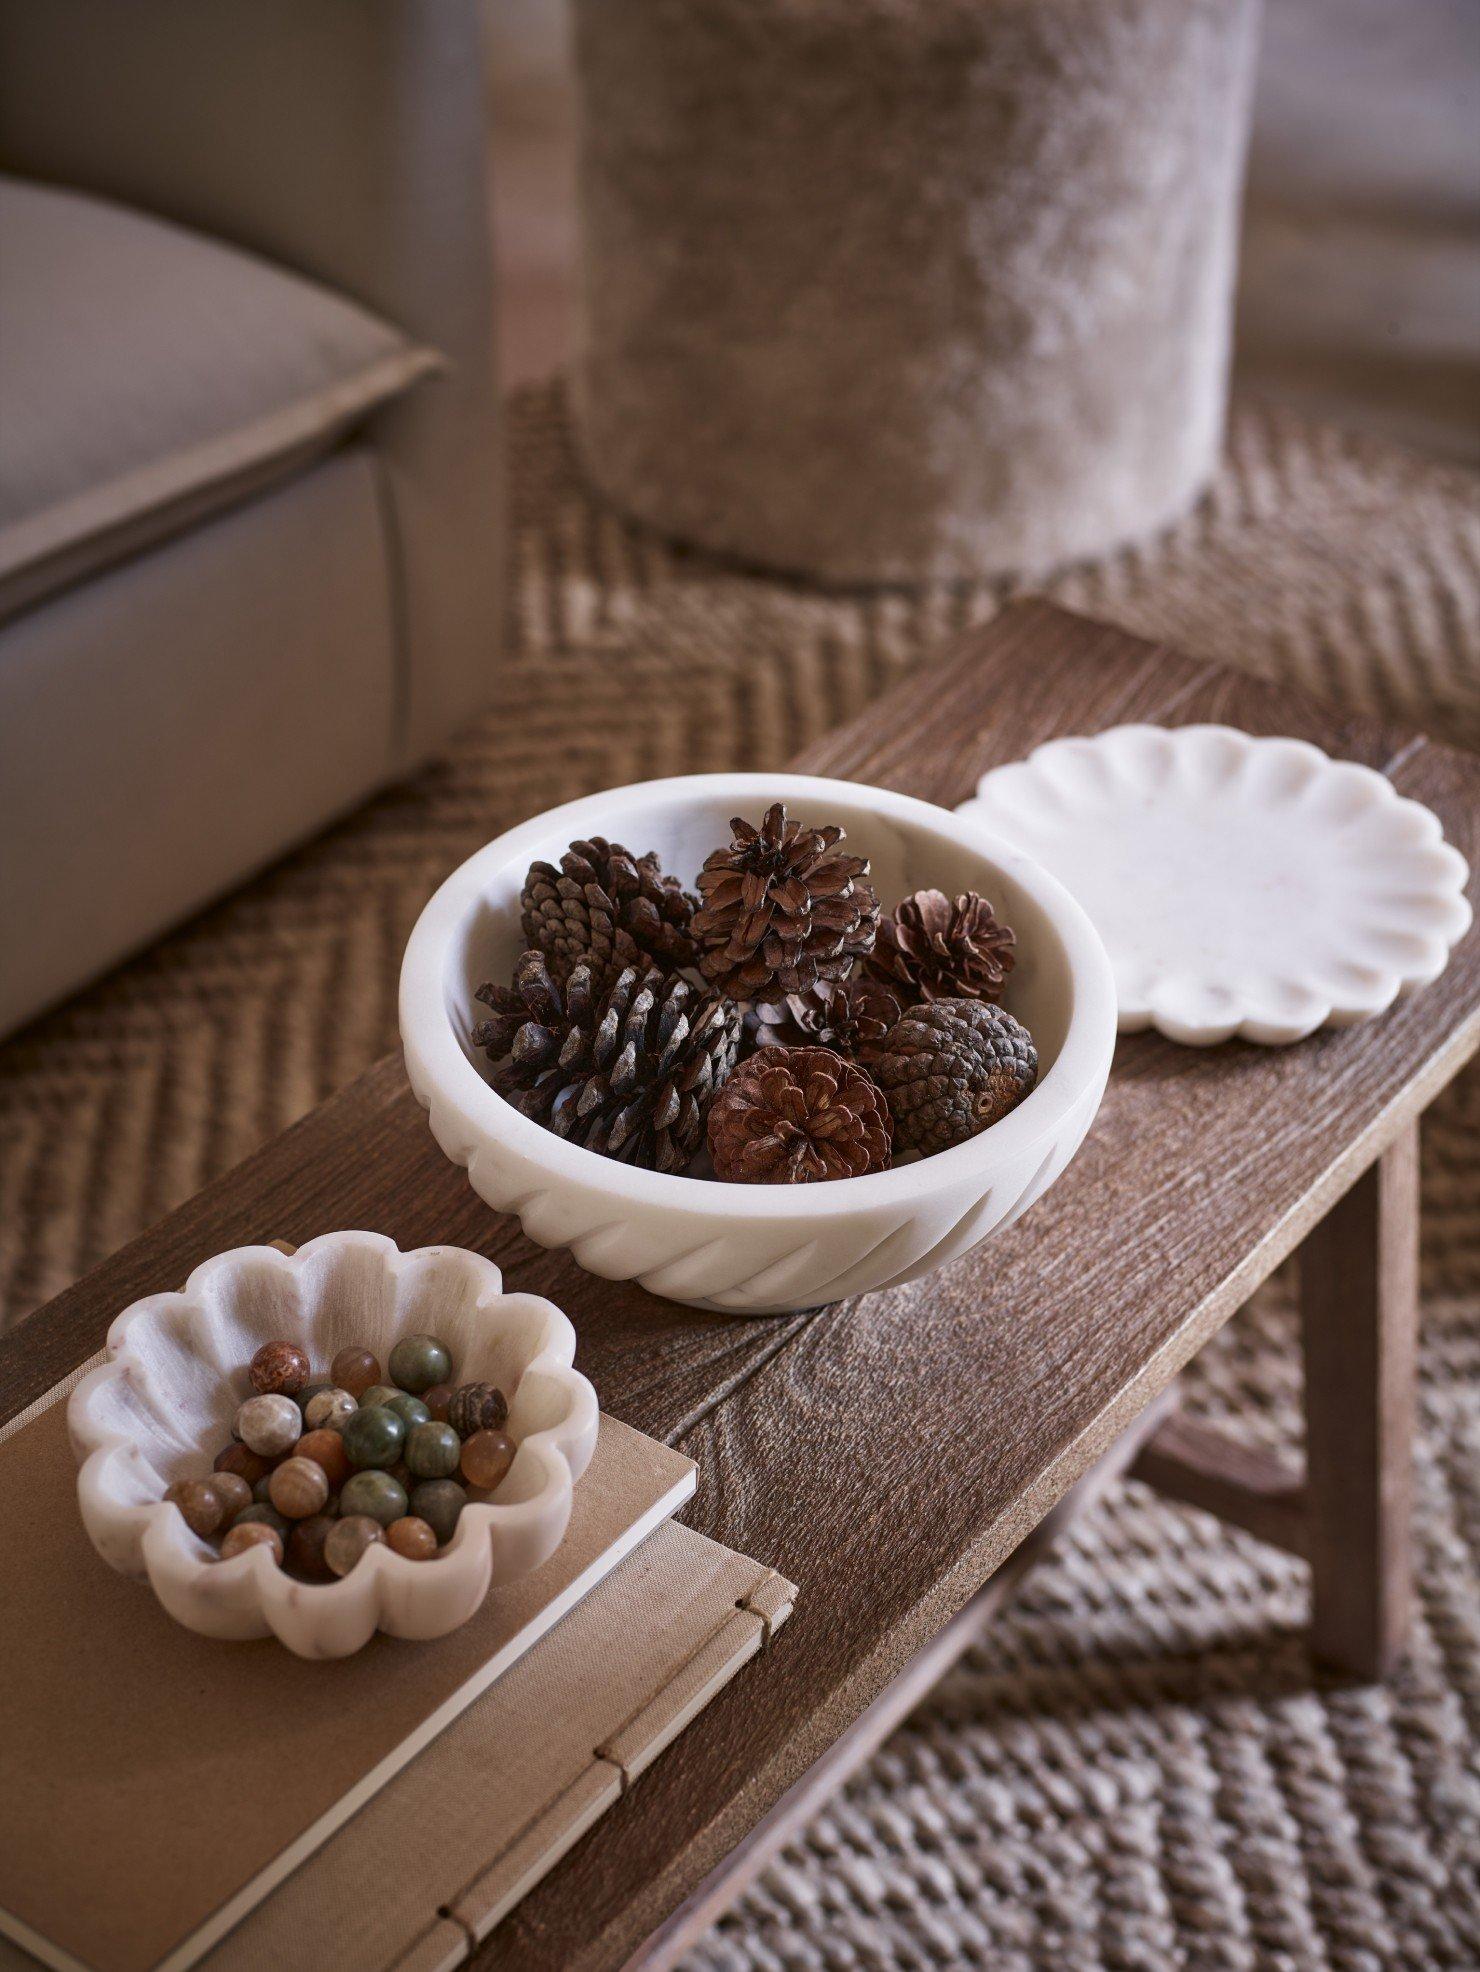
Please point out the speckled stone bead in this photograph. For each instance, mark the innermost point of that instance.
(330, 1410)
(306, 1540)
(304, 1397)
(326, 1448)
(486, 1458)
(411, 1410)
(375, 1493)
(373, 1437)
(419, 1361)
(243, 1464)
(269, 1425)
(232, 1491)
(432, 1451)
(439, 1502)
(379, 1395)
(477, 1407)
(348, 1539)
(299, 1488)
(247, 1534)
(411, 1537)
(279, 1368)
(199, 1504)
(355, 1370)
(437, 1399)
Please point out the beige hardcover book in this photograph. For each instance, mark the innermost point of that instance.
(159, 1786)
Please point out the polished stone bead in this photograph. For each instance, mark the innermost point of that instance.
(379, 1395)
(326, 1448)
(412, 1538)
(373, 1437)
(432, 1451)
(268, 1515)
(439, 1502)
(299, 1488)
(279, 1368)
(437, 1399)
(245, 1534)
(477, 1407)
(355, 1370)
(330, 1410)
(486, 1458)
(402, 1474)
(269, 1425)
(419, 1361)
(375, 1493)
(348, 1539)
(262, 1490)
(306, 1540)
(244, 1464)
(199, 1503)
(411, 1410)
(232, 1491)
(304, 1397)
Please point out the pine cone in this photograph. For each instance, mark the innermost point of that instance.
(951, 1069)
(792, 1116)
(932, 949)
(782, 909)
(851, 1017)
(609, 907)
(630, 1071)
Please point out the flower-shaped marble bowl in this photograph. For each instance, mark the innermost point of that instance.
(759, 1249)
(162, 1406)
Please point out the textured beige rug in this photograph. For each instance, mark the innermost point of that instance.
(1136, 1770)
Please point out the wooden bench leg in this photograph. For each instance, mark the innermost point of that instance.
(1359, 1321)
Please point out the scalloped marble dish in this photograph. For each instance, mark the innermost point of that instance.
(161, 1407)
(1242, 886)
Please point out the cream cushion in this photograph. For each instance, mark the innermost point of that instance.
(149, 376)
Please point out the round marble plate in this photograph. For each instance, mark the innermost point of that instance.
(1242, 886)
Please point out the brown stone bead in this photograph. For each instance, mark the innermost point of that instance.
(279, 1369)
(403, 1475)
(486, 1457)
(354, 1370)
(437, 1400)
(233, 1492)
(411, 1537)
(299, 1488)
(306, 1547)
(199, 1504)
(251, 1533)
(246, 1465)
(348, 1539)
(326, 1448)
(477, 1407)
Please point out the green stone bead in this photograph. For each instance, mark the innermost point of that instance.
(439, 1502)
(269, 1516)
(411, 1410)
(375, 1493)
(433, 1450)
(301, 1397)
(378, 1396)
(373, 1437)
(419, 1361)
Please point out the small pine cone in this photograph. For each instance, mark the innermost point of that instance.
(933, 949)
(781, 909)
(608, 907)
(791, 1116)
(629, 1071)
(951, 1069)
(851, 1017)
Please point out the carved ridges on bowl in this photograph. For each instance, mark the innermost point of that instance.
(182, 1356)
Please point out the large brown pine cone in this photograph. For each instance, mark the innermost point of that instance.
(933, 949)
(851, 1017)
(791, 1116)
(951, 1069)
(608, 907)
(782, 908)
(629, 1071)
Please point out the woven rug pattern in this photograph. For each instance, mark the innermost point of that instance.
(1136, 1769)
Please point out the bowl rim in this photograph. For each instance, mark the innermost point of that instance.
(436, 1059)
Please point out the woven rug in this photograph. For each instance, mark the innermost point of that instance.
(1136, 1770)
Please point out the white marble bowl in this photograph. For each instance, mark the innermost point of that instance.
(759, 1249)
(162, 1406)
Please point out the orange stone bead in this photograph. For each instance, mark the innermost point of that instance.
(279, 1369)
(299, 1488)
(354, 1370)
(326, 1448)
(199, 1504)
(437, 1400)
(248, 1534)
(246, 1465)
(486, 1457)
(412, 1538)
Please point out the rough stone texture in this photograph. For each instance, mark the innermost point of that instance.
(981, 250)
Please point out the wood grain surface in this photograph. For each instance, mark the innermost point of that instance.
(887, 1453)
